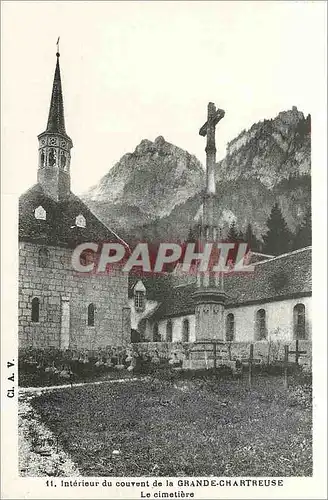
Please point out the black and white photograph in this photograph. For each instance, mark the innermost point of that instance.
(164, 249)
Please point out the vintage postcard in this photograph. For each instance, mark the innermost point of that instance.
(164, 256)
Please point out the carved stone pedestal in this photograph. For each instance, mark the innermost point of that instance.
(209, 313)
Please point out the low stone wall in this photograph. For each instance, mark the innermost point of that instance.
(55, 363)
(265, 353)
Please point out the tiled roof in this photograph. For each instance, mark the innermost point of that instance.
(281, 277)
(178, 303)
(59, 228)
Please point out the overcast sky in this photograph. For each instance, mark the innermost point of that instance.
(135, 70)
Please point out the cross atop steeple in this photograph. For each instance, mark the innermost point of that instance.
(57, 43)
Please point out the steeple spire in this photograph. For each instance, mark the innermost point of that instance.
(56, 119)
(55, 145)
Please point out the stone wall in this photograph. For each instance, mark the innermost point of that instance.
(57, 283)
(265, 352)
(279, 321)
(177, 327)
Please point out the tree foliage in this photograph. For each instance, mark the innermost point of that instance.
(250, 238)
(278, 239)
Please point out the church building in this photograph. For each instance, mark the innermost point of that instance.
(61, 308)
(272, 302)
(58, 307)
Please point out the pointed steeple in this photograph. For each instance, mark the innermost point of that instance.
(56, 119)
(55, 145)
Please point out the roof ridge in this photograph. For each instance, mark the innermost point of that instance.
(299, 250)
(101, 222)
(184, 284)
(261, 253)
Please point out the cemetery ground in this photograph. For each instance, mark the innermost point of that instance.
(173, 426)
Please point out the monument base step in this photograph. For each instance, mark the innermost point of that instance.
(202, 364)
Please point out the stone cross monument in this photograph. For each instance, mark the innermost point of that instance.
(209, 295)
(208, 129)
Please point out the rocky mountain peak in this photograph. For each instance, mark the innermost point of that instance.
(155, 192)
(156, 171)
(291, 116)
(271, 150)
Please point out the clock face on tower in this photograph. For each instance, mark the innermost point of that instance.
(63, 143)
(53, 141)
(43, 142)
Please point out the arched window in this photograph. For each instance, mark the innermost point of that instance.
(43, 159)
(156, 335)
(139, 300)
(91, 315)
(230, 327)
(40, 213)
(35, 310)
(299, 321)
(185, 330)
(261, 330)
(169, 330)
(52, 158)
(62, 159)
(43, 257)
(80, 221)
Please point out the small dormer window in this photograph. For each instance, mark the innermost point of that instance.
(139, 300)
(139, 293)
(40, 213)
(80, 221)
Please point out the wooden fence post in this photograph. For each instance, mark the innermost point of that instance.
(214, 355)
(250, 364)
(229, 350)
(206, 359)
(286, 366)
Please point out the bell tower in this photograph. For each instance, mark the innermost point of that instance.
(209, 295)
(55, 146)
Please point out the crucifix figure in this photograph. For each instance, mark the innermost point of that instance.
(213, 117)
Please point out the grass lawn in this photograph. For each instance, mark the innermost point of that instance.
(186, 428)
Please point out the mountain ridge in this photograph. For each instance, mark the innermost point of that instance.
(156, 191)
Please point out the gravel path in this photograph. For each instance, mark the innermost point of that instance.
(39, 390)
(39, 452)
